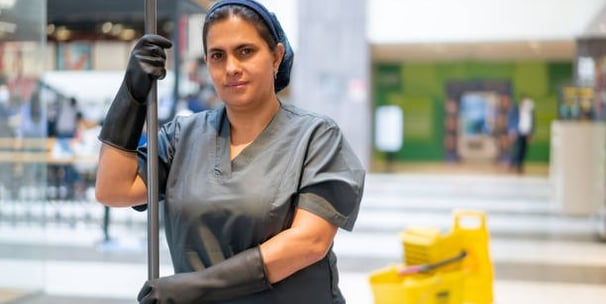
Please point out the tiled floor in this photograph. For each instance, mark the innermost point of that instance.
(538, 254)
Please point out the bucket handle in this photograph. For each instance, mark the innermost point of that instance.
(429, 267)
(459, 215)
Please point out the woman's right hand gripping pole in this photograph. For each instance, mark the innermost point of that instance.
(117, 182)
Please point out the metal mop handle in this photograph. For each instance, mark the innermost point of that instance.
(153, 261)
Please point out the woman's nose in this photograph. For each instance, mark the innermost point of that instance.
(232, 65)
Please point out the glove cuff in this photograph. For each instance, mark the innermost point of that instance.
(258, 271)
(124, 121)
(240, 275)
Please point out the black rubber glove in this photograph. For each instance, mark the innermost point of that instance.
(124, 121)
(240, 275)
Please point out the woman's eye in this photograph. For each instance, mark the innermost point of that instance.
(216, 56)
(246, 51)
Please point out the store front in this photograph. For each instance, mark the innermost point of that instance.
(22, 137)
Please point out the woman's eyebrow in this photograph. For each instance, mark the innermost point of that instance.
(215, 49)
(245, 45)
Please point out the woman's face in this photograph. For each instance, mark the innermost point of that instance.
(240, 63)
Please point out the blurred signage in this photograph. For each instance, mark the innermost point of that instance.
(389, 131)
(577, 103)
(586, 71)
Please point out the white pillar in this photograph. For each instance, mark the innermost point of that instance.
(331, 72)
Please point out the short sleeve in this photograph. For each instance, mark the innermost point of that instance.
(332, 179)
(166, 138)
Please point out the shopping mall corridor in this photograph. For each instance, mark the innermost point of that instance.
(538, 254)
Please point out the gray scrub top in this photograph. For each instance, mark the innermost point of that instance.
(215, 207)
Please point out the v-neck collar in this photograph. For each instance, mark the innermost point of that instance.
(223, 164)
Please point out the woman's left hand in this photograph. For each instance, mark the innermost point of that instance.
(170, 289)
(240, 275)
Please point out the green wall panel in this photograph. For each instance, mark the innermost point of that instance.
(489, 70)
(559, 74)
(418, 119)
(545, 113)
(419, 88)
(420, 80)
(530, 79)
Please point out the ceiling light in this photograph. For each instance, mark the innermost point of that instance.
(167, 27)
(116, 29)
(50, 29)
(127, 34)
(106, 27)
(62, 33)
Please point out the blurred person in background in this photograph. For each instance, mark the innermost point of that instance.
(522, 125)
(67, 118)
(7, 169)
(502, 131)
(31, 135)
(6, 112)
(85, 147)
(254, 190)
(63, 176)
(33, 122)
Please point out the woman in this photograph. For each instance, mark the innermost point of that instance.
(253, 191)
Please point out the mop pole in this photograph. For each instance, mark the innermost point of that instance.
(153, 261)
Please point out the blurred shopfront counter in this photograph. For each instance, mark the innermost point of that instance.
(577, 166)
(46, 168)
(51, 151)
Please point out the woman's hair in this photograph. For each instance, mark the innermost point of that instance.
(243, 12)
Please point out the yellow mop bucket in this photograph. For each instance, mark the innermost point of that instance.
(443, 276)
(390, 287)
(427, 245)
(471, 227)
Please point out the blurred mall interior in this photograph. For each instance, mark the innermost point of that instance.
(424, 92)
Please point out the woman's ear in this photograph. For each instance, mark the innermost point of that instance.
(278, 55)
(204, 59)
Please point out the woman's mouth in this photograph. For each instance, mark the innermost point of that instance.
(236, 84)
